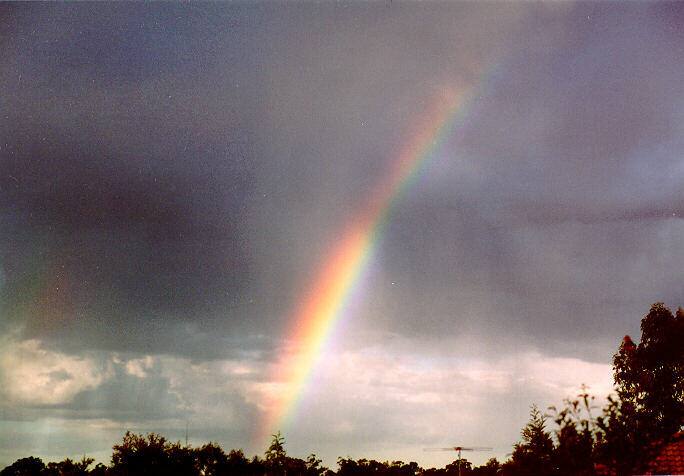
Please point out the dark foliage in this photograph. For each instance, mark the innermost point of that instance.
(649, 379)
(25, 467)
(650, 376)
(154, 455)
(138, 455)
(534, 454)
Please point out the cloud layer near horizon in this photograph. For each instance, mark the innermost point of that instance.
(217, 399)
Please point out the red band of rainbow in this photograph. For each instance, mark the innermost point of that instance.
(319, 308)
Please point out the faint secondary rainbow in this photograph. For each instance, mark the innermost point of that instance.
(322, 304)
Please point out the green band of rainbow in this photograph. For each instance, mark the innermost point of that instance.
(321, 305)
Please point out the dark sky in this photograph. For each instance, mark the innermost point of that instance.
(172, 175)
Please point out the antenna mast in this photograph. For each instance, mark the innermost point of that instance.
(459, 449)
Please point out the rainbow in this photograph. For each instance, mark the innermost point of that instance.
(322, 304)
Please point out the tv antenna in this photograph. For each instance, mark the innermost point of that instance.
(459, 449)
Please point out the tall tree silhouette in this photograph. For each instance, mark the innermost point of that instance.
(650, 375)
(649, 378)
(276, 457)
(533, 455)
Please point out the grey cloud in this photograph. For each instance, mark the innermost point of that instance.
(174, 202)
(128, 397)
(575, 134)
(152, 192)
(548, 285)
(121, 396)
(562, 195)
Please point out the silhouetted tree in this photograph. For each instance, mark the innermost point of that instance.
(347, 467)
(210, 460)
(99, 470)
(575, 436)
(459, 467)
(30, 466)
(137, 455)
(69, 468)
(181, 460)
(650, 392)
(362, 467)
(313, 466)
(534, 454)
(650, 375)
(491, 468)
(277, 462)
(257, 466)
(399, 468)
(276, 457)
(365, 467)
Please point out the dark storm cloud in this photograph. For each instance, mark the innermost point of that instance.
(149, 242)
(588, 134)
(177, 173)
(561, 196)
(159, 165)
(102, 202)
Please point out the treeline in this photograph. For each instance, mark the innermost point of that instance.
(139, 455)
(578, 439)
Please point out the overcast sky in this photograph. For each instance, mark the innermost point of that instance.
(172, 175)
